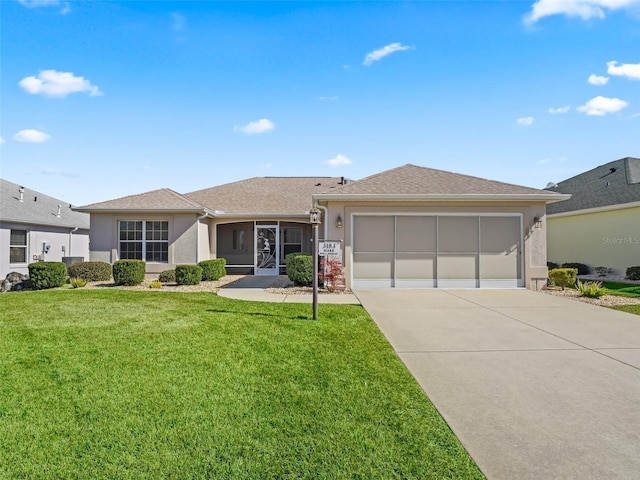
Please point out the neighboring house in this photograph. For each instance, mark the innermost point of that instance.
(407, 227)
(600, 225)
(36, 227)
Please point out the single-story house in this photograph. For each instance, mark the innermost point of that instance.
(407, 227)
(34, 227)
(600, 224)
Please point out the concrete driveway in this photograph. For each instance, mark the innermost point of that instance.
(535, 386)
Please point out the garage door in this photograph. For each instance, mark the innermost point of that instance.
(427, 251)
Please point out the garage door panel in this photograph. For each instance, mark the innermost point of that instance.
(499, 234)
(416, 234)
(415, 270)
(373, 234)
(372, 265)
(458, 271)
(457, 234)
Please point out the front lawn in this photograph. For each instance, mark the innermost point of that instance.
(628, 308)
(622, 289)
(133, 384)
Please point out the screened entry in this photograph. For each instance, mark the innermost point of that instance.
(430, 251)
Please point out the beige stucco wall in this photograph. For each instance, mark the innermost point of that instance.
(599, 239)
(534, 251)
(183, 231)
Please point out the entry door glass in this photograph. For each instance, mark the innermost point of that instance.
(267, 262)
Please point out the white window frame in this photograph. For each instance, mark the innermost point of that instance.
(144, 240)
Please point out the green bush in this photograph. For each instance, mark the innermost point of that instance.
(47, 275)
(78, 282)
(188, 274)
(155, 284)
(129, 272)
(300, 268)
(633, 273)
(591, 289)
(552, 265)
(581, 267)
(563, 277)
(213, 269)
(91, 271)
(168, 276)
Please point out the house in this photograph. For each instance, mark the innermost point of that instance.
(600, 224)
(407, 227)
(34, 226)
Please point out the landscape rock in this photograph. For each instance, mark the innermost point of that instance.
(15, 282)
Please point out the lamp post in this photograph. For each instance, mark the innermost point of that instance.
(314, 219)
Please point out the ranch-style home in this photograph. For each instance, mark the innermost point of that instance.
(411, 227)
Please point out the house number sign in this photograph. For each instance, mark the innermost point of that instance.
(330, 248)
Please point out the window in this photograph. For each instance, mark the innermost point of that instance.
(144, 240)
(291, 240)
(18, 246)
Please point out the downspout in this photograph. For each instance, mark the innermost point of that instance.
(325, 212)
(75, 229)
(202, 217)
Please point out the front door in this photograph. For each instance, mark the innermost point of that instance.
(267, 258)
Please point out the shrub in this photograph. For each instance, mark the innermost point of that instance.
(168, 276)
(155, 284)
(91, 271)
(552, 265)
(129, 272)
(602, 271)
(563, 277)
(47, 275)
(78, 282)
(331, 274)
(591, 289)
(633, 273)
(213, 269)
(300, 268)
(581, 267)
(188, 274)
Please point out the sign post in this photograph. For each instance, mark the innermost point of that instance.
(314, 218)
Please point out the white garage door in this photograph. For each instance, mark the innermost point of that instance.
(427, 251)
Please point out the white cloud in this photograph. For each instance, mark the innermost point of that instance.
(630, 70)
(57, 171)
(338, 161)
(179, 22)
(560, 110)
(602, 105)
(52, 83)
(383, 52)
(584, 9)
(66, 6)
(597, 80)
(260, 126)
(31, 136)
(525, 121)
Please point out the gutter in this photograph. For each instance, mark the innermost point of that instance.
(586, 211)
(547, 198)
(75, 229)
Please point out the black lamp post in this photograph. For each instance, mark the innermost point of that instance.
(314, 219)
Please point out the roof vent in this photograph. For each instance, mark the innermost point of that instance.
(551, 185)
(613, 169)
(21, 192)
(59, 211)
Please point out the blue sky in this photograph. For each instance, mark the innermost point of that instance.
(105, 99)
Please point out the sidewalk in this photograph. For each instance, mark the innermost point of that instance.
(253, 288)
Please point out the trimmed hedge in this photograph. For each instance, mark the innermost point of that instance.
(91, 271)
(129, 272)
(563, 277)
(213, 269)
(633, 273)
(168, 276)
(300, 268)
(47, 275)
(188, 274)
(581, 267)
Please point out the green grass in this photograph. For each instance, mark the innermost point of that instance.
(628, 308)
(622, 289)
(133, 384)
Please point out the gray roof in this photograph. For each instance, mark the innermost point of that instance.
(37, 208)
(163, 200)
(613, 183)
(266, 195)
(413, 180)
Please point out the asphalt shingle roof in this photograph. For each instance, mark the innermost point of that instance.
(415, 180)
(265, 195)
(613, 183)
(37, 208)
(162, 199)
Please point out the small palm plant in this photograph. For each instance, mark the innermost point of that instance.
(591, 289)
